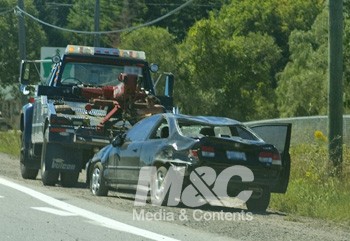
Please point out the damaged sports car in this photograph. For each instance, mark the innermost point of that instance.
(172, 140)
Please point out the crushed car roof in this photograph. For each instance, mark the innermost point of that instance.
(208, 120)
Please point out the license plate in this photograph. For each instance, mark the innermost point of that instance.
(236, 155)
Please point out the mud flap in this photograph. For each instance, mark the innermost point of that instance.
(62, 158)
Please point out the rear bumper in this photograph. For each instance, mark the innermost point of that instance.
(89, 138)
(235, 177)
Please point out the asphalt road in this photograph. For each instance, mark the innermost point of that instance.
(31, 211)
(29, 214)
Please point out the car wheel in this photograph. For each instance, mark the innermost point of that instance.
(158, 192)
(259, 204)
(97, 183)
(48, 177)
(69, 179)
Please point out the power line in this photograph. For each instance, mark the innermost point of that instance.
(147, 4)
(112, 31)
(178, 4)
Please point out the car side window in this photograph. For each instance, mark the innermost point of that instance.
(162, 131)
(245, 134)
(141, 130)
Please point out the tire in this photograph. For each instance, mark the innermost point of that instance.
(159, 196)
(98, 185)
(69, 179)
(48, 177)
(259, 204)
(27, 173)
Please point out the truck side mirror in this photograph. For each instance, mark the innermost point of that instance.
(169, 85)
(154, 68)
(24, 75)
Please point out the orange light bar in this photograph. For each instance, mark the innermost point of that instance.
(86, 50)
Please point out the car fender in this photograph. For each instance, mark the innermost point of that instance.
(101, 156)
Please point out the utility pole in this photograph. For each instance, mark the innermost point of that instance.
(335, 94)
(97, 23)
(21, 32)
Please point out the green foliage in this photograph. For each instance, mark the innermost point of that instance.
(313, 191)
(159, 46)
(273, 17)
(179, 23)
(55, 14)
(81, 17)
(307, 70)
(157, 42)
(35, 39)
(224, 68)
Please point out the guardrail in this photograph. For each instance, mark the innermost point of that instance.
(303, 128)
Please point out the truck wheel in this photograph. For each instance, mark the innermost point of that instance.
(48, 177)
(158, 182)
(26, 172)
(97, 182)
(69, 179)
(259, 204)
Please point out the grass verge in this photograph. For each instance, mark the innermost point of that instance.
(313, 189)
(10, 142)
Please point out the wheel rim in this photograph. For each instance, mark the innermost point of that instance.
(95, 180)
(159, 187)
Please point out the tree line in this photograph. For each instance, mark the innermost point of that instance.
(244, 59)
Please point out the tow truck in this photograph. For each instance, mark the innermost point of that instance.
(91, 95)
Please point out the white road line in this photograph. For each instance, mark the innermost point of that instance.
(54, 211)
(101, 220)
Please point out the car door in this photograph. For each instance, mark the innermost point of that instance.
(155, 144)
(128, 166)
(278, 134)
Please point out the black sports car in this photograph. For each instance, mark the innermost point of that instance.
(165, 141)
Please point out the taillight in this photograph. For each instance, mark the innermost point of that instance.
(208, 151)
(273, 158)
(58, 120)
(193, 153)
(57, 130)
(31, 100)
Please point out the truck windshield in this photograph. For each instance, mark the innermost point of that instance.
(93, 74)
